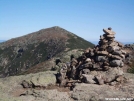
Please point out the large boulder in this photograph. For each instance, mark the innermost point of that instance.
(111, 74)
(41, 79)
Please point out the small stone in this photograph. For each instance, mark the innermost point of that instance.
(88, 78)
(106, 68)
(110, 36)
(99, 79)
(88, 60)
(102, 52)
(116, 63)
(101, 58)
(106, 31)
(109, 28)
(25, 84)
(113, 83)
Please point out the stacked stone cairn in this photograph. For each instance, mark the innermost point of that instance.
(100, 65)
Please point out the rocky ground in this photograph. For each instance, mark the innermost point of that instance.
(42, 87)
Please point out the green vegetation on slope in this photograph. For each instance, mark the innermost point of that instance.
(24, 53)
(76, 42)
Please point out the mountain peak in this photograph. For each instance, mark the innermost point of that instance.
(38, 36)
(56, 27)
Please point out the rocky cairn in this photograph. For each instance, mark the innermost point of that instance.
(110, 51)
(100, 65)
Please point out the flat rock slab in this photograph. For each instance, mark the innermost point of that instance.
(9, 85)
(86, 92)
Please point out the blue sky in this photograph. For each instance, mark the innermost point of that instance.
(86, 18)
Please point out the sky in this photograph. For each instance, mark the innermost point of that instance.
(85, 18)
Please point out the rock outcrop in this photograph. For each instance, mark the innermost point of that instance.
(11, 89)
(31, 87)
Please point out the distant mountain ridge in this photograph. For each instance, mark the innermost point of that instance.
(19, 54)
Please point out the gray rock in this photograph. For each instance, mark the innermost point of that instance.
(89, 78)
(113, 48)
(99, 79)
(101, 58)
(85, 92)
(116, 63)
(101, 37)
(91, 53)
(88, 65)
(113, 43)
(63, 71)
(109, 32)
(102, 52)
(111, 74)
(123, 52)
(26, 84)
(110, 36)
(106, 67)
(116, 57)
(86, 71)
(95, 66)
(120, 44)
(117, 52)
(102, 48)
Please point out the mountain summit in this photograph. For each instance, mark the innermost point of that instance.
(19, 54)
